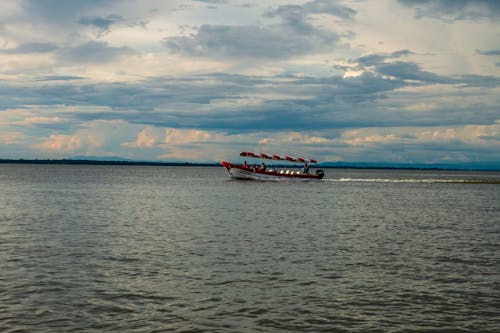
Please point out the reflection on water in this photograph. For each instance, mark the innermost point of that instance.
(124, 248)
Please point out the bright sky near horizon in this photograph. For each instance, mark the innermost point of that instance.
(380, 81)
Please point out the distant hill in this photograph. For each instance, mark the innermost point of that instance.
(99, 158)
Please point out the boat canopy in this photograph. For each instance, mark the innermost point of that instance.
(278, 157)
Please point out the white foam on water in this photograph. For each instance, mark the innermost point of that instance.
(409, 180)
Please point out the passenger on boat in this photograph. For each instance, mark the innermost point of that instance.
(262, 167)
(245, 165)
(305, 169)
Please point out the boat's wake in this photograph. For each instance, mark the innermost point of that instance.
(415, 180)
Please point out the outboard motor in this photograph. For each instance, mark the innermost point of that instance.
(320, 173)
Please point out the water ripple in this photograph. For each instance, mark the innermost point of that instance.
(147, 249)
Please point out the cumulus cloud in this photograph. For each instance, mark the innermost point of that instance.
(361, 138)
(175, 136)
(404, 144)
(296, 138)
(175, 143)
(145, 139)
(11, 138)
(472, 135)
(148, 137)
(96, 138)
(58, 143)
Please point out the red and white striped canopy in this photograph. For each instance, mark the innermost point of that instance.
(278, 157)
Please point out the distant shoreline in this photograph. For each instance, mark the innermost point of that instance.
(97, 162)
(326, 165)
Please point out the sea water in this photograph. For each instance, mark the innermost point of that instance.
(186, 249)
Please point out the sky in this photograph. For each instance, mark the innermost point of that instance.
(402, 81)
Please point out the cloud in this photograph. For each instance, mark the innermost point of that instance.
(39, 120)
(455, 9)
(378, 58)
(294, 36)
(384, 64)
(297, 15)
(213, 1)
(147, 138)
(467, 135)
(35, 47)
(423, 144)
(471, 80)
(249, 42)
(489, 52)
(60, 78)
(178, 144)
(115, 78)
(11, 138)
(305, 139)
(56, 10)
(97, 137)
(103, 23)
(175, 136)
(60, 143)
(410, 71)
(93, 52)
(239, 103)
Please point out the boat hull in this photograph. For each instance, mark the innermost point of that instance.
(239, 172)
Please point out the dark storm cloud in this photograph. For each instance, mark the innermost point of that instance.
(295, 35)
(192, 101)
(92, 52)
(455, 9)
(35, 47)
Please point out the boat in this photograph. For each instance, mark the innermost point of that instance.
(263, 172)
